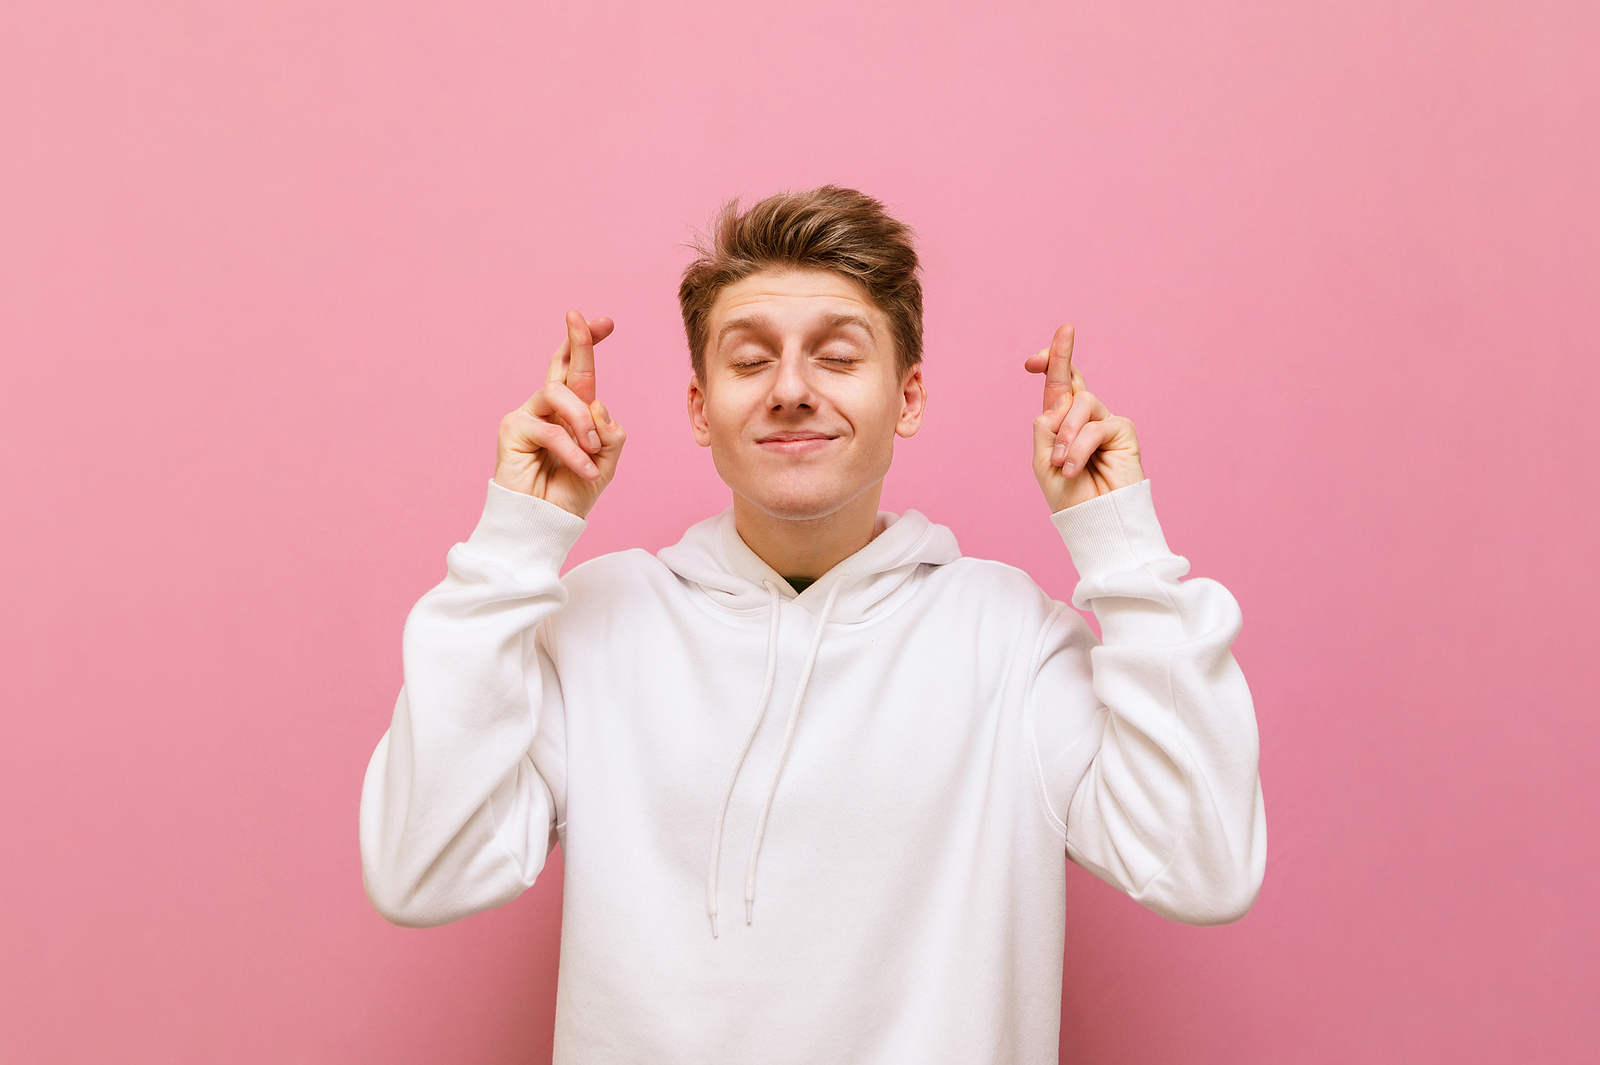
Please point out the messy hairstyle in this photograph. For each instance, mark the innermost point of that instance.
(828, 228)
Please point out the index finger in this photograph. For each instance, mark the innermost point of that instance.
(580, 367)
(1058, 367)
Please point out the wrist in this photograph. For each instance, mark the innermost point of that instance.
(1112, 533)
(524, 530)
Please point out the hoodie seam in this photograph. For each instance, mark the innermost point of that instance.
(602, 559)
(703, 601)
(1055, 820)
(496, 826)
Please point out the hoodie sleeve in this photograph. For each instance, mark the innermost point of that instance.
(1155, 784)
(455, 817)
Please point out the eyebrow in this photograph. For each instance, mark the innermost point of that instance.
(760, 322)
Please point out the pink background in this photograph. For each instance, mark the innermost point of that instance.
(272, 272)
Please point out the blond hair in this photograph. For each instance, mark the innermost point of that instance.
(827, 228)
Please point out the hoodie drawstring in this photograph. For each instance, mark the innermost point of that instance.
(783, 753)
(738, 763)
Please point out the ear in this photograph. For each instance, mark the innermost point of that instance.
(697, 413)
(913, 401)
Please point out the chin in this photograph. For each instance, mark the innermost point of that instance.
(790, 508)
(803, 499)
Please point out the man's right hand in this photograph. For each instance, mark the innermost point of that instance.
(562, 445)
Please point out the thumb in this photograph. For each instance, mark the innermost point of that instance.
(612, 436)
(1045, 428)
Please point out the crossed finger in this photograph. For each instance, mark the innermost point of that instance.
(1055, 362)
(1058, 367)
(1061, 378)
(1081, 423)
(573, 362)
(570, 380)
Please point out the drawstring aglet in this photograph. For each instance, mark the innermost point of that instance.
(749, 911)
(713, 926)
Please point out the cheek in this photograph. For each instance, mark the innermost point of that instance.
(726, 414)
(879, 412)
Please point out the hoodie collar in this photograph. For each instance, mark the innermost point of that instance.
(714, 556)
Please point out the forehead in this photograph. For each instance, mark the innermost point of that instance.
(794, 297)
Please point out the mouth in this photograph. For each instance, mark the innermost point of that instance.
(794, 443)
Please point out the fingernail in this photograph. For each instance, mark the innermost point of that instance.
(588, 467)
(1058, 454)
(594, 439)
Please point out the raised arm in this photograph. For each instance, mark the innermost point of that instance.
(456, 808)
(1157, 790)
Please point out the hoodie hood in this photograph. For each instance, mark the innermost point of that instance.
(714, 556)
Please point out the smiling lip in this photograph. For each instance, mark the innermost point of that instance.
(794, 443)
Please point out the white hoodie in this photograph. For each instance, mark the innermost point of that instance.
(825, 827)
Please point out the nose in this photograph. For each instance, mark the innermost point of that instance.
(792, 388)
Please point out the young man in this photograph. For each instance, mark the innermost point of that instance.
(814, 773)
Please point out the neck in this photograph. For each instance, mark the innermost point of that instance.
(808, 547)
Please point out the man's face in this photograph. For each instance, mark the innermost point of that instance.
(801, 400)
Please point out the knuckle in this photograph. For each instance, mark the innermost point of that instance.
(517, 425)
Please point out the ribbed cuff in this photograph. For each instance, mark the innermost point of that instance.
(523, 531)
(1114, 532)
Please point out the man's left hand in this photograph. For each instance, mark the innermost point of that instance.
(1080, 450)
